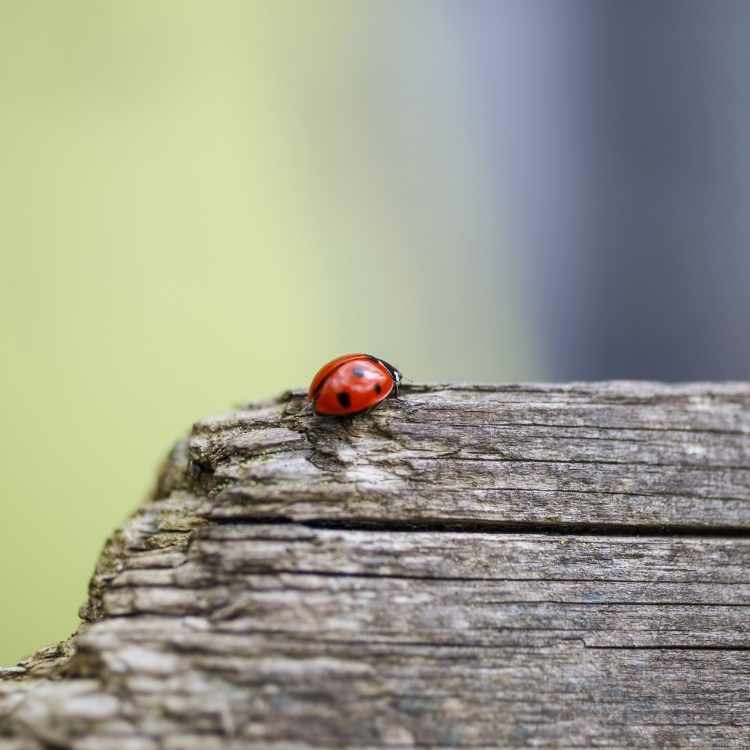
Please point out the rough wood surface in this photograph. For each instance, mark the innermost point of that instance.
(469, 566)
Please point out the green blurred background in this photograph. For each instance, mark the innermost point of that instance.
(201, 203)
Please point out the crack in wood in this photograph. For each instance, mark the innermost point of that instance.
(438, 526)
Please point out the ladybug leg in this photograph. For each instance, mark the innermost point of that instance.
(400, 400)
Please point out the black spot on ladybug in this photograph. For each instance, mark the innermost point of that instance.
(377, 388)
(344, 399)
(358, 372)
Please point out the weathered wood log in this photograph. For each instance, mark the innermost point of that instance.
(468, 566)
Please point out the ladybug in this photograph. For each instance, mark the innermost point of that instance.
(351, 384)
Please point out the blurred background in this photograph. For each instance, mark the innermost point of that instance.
(202, 202)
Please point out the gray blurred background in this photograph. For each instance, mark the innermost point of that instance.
(619, 134)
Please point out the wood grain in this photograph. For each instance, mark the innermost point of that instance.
(469, 566)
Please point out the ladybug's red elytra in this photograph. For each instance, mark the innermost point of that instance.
(351, 384)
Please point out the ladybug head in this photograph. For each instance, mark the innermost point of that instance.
(395, 374)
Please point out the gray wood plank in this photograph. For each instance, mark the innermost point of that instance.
(475, 566)
(616, 454)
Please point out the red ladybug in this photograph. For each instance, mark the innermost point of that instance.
(351, 384)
